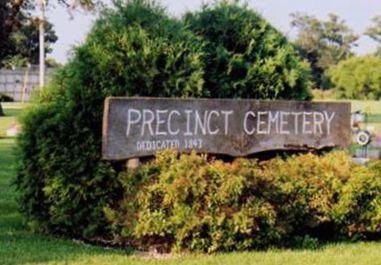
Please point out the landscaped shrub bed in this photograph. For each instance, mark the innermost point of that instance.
(176, 201)
(198, 203)
(137, 49)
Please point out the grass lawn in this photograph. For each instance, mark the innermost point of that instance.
(20, 246)
(11, 111)
(371, 107)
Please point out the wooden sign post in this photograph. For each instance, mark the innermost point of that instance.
(137, 127)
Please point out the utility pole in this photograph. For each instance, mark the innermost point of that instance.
(42, 42)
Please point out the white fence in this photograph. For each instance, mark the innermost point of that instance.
(21, 82)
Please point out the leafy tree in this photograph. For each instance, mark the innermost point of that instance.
(87, 4)
(25, 43)
(374, 32)
(19, 31)
(19, 43)
(323, 43)
(357, 78)
(11, 19)
(20, 35)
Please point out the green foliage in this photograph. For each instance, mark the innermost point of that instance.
(195, 203)
(63, 182)
(134, 49)
(357, 78)
(19, 34)
(143, 52)
(306, 242)
(323, 43)
(20, 246)
(245, 57)
(26, 40)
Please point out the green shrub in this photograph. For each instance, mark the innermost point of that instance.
(132, 50)
(358, 210)
(245, 56)
(64, 183)
(195, 203)
(135, 49)
(357, 78)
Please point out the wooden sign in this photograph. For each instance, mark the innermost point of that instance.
(136, 127)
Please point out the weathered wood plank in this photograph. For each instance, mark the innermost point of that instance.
(136, 127)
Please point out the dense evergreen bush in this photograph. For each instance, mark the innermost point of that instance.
(194, 203)
(357, 78)
(135, 49)
(245, 56)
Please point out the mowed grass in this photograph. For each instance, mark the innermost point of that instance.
(373, 111)
(371, 107)
(11, 110)
(7, 120)
(18, 245)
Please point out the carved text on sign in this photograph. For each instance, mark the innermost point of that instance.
(136, 127)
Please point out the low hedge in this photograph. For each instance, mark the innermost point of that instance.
(198, 203)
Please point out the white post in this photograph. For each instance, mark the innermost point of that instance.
(42, 43)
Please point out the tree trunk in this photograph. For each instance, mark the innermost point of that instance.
(1, 110)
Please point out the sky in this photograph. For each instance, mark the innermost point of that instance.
(72, 28)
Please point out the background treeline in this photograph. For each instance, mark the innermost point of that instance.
(19, 35)
(328, 47)
(322, 43)
(19, 31)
